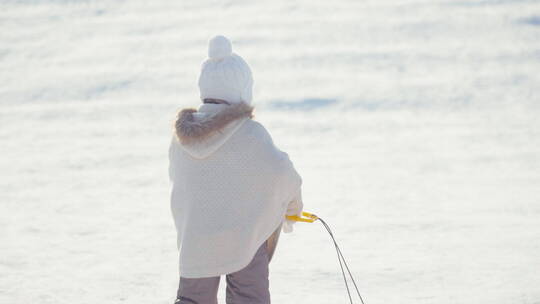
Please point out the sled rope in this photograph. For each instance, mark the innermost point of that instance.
(310, 218)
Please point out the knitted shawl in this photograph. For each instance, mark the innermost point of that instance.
(231, 187)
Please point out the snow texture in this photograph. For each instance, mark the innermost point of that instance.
(414, 124)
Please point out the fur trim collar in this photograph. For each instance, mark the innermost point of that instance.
(190, 129)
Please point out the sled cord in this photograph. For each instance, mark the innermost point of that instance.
(340, 257)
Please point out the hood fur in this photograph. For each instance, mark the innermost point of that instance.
(190, 129)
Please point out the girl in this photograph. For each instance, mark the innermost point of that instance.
(231, 187)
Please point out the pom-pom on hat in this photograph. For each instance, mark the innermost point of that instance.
(225, 75)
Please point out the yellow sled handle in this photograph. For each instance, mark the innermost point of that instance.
(306, 217)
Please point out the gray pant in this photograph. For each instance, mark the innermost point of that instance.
(247, 286)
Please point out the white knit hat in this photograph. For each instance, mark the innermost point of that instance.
(225, 75)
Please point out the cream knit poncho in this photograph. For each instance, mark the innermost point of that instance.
(231, 188)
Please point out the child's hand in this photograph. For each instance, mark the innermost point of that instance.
(288, 226)
(295, 207)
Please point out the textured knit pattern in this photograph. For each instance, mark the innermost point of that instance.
(227, 204)
(225, 75)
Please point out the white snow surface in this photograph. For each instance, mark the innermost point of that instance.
(414, 124)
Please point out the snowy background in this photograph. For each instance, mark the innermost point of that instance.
(414, 124)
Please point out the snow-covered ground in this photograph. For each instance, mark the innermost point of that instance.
(415, 125)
